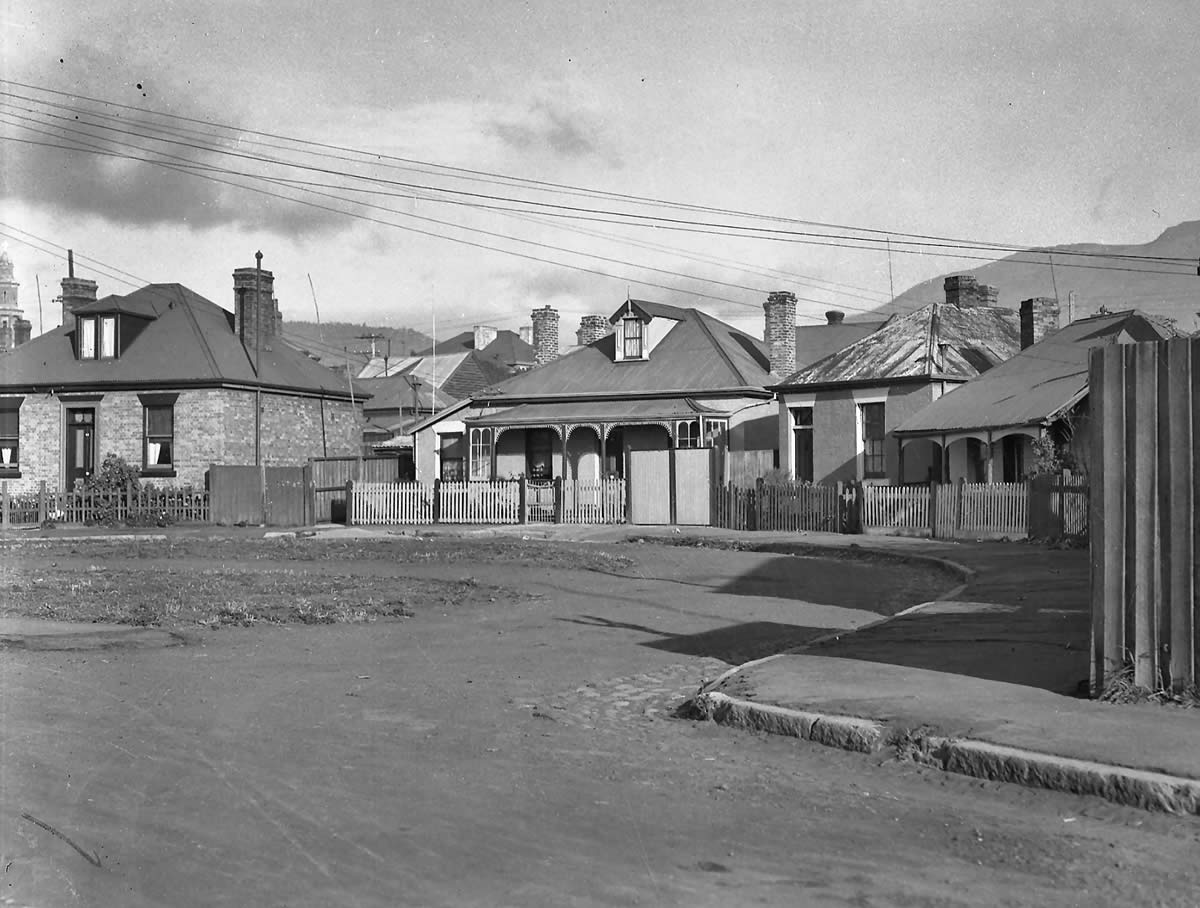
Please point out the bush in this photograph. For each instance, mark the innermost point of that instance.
(109, 484)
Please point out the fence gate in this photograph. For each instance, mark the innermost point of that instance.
(236, 495)
(693, 475)
(330, 475)
(649, 484)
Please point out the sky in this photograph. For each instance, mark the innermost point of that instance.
(1018, 123)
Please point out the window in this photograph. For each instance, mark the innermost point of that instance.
(687, 433)
(481, 453)
(97, 336)
(158, 433)
(874, 464)
(160, 437)
(716, 433)
(451, 457)
(87, 338)
(802, 431)
(10, 436)
(632, 335)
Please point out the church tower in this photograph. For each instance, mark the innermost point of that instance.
(15, 329)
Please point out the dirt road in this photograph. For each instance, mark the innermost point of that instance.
(511, 752)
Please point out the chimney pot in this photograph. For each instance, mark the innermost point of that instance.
(779, 331)
(835, 316)
(962, 291)
(251, 315)
(484, 335)
(545, 335)
(1039, 317)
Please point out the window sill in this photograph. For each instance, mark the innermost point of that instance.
(10, 474)
(150, 474)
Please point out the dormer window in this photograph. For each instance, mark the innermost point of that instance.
(97, 336)
(633, 341)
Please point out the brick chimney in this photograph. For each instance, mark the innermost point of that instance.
(1039, 317)
(484, 335)
(962, 291)
(592, 328)
(545, 335)
(779, 331)
(76, 291)
(987, 295)
(251, 315)
(835, 317)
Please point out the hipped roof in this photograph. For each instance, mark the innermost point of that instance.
(186, 340)
(935, 340)
(1039, 383)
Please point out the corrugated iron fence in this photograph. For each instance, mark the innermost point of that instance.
(1145, 413)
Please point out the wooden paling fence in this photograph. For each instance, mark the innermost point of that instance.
(1144, 402)
(795, 506)
(146, 504)
(479, 502)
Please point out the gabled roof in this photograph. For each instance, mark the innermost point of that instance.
(1039, 383)
(186, 340)
(396, 393)
(509, 350)
(815, 342)
(698, 354)
(647, 310)
(935, 340)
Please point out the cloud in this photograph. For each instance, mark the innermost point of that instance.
(546, 126)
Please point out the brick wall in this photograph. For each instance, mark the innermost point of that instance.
(1039, 317)
(211, 426)
(545, 335)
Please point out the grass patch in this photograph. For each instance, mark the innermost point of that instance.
(1121, 688)
(227, 597)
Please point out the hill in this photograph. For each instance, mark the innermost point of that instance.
(330, 341)
(1109, 282)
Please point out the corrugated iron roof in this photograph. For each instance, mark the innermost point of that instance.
(698, 354)
(1036, 384)
(933, 340)
(186, 339)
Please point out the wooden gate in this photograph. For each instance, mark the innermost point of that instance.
(649, 484)
(236, 495)
(692, 484)
(330, 475)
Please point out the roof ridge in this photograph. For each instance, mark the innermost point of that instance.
(716, 343)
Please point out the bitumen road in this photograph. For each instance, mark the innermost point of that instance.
(518, 753)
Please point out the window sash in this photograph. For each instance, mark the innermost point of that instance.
(10, 438)
(874, 459)
(632, 334)
(687, 434)
(87, 338)
(107, 329)
(481, 453)
(159, 437)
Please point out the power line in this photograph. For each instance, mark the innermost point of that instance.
(917, 239)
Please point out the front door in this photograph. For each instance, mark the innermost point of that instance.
(81, 444)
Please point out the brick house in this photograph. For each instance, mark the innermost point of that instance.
(837, 417)
(167, 380)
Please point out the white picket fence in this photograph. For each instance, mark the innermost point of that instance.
(994, 509)
(902, 509)
(479, 502)
(600, 501)
(497, 502)
(391, 503)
